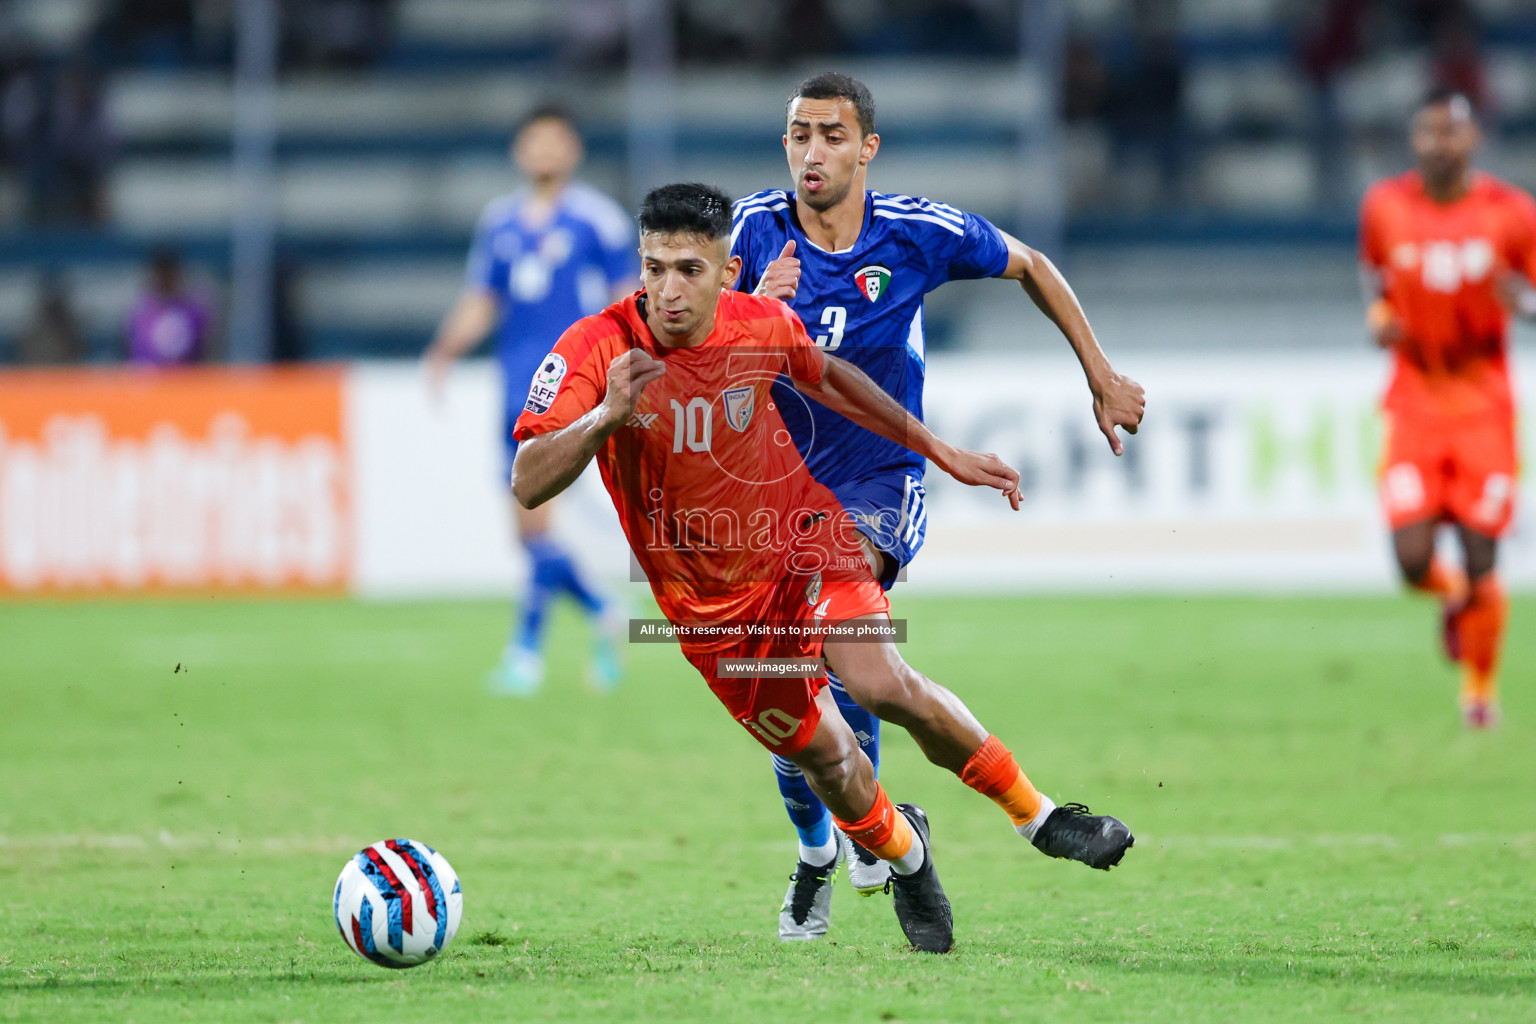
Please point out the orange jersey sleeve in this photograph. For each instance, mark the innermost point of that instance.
(573, 379)
(1520, 254)
(1372, 248)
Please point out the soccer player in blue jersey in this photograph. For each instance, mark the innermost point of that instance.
(542, 258)
(855, 265)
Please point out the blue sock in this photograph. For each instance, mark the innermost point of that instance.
(562, 573)
(808, 814)
(545, 580)
(865, 726)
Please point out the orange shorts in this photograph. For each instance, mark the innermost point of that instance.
(1460, 471)
(781, 712)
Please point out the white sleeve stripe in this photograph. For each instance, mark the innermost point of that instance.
(925, 206)
(947, 225)
(760, 197)
(736, 231)
(771, 203)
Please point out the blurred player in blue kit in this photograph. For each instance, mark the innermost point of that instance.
(855, 266)
(542, 258)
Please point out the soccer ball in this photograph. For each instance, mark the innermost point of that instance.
(398, 903)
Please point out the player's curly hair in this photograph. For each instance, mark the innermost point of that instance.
(831, 85)
(686, 208)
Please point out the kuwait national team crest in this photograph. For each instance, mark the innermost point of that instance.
(873, 280)
(739, 403)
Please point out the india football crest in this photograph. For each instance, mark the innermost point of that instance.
(739, 403)
(873, 280)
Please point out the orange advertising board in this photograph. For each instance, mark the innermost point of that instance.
(201, 479)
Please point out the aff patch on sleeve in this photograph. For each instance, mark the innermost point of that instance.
(546, 383)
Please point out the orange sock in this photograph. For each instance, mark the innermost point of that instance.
(1482, 639)
(884, 831)
(1444, 581)
(994, 774)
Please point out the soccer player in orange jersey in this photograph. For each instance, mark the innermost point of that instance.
(671, 392)
(1446, 252)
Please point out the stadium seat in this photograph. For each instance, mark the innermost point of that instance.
(1260, 176)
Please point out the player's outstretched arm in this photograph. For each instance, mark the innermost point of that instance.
(1379, 318)
(846, 389)
(547, 464)
(465, 326)
(1118, 401)
(1518, 296)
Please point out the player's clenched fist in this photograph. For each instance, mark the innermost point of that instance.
(1118, 402)
(781, 278)
(628, 375)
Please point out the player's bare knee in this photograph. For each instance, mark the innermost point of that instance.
(831, 769)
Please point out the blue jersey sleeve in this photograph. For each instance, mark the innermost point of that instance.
(622, 264)
(616, 239)
(486, 270)
(978, 251)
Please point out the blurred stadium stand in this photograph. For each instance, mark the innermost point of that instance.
(1236, 134)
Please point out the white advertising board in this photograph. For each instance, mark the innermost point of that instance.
(1252, 473)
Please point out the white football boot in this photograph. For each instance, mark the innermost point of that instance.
(867, 873)
(807, 909)
(520, 673)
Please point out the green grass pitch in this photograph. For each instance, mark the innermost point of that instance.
(1319, 838)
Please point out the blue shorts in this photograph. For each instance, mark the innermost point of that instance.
(889, 510)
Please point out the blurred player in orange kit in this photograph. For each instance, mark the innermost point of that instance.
(1447, 253)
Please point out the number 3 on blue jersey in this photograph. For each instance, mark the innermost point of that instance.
(837, 318)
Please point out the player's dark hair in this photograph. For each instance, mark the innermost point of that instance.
(689, 208)
(830, 85)
(1443, 95)
(549, 111)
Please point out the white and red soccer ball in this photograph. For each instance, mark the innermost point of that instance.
(398, 903)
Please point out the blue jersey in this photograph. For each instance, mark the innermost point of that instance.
(865, 303)
(548, 276)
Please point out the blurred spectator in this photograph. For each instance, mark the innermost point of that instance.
(338, 34)
(23, 126)
(79, 148)
(1329, 45)
(1085, 82)
(1147, 99)
(169, 326)
(53, 132)
(158, 32)
(1457, 64)
(289, 344)
(53, 335)
(1335, 40)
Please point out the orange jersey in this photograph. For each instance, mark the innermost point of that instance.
(1440, 264)
(715, 500)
